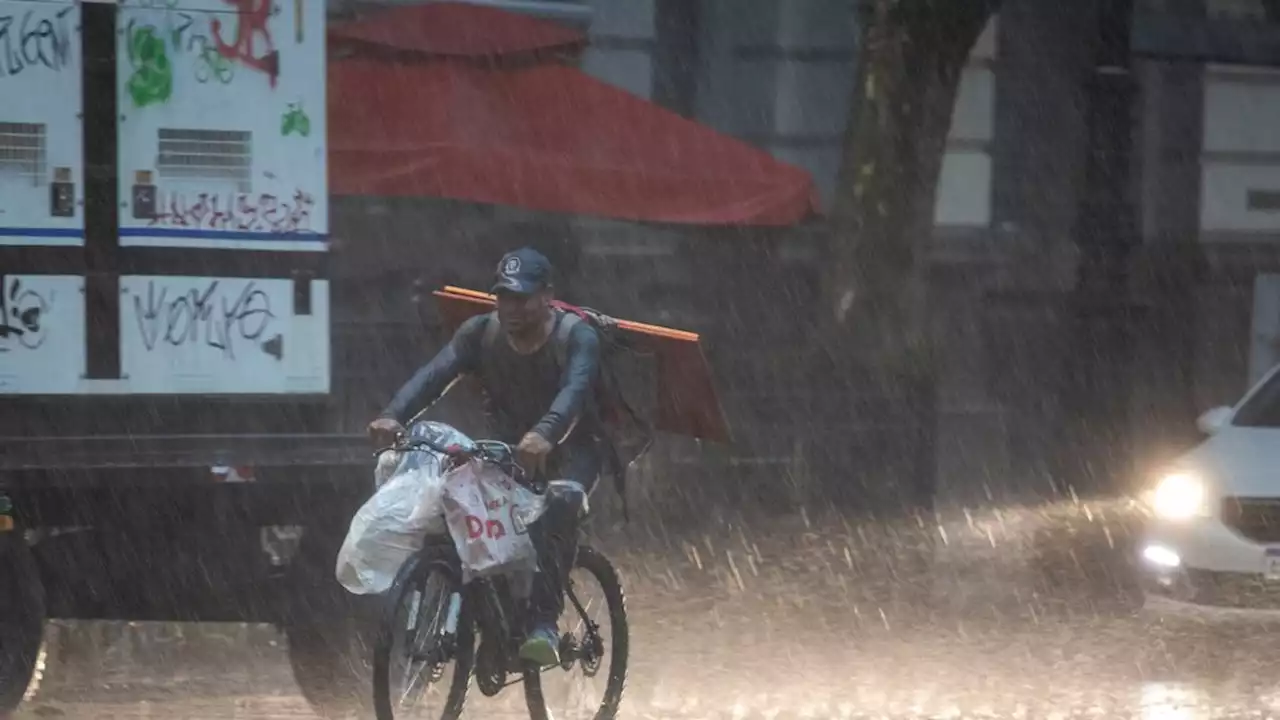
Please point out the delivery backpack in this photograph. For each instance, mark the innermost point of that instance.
(627, 435)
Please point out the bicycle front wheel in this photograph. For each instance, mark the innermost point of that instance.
(594, 647)
(426, 643)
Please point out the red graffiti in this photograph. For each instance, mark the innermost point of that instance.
(476, 527)
(252, 17)
(264, 213)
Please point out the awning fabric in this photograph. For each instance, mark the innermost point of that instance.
(545, 137)
(455, 29)
(432, 104)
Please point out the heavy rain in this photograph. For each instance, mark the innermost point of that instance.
(817, 359)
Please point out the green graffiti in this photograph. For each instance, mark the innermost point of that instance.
(152, 79)
(295, 120)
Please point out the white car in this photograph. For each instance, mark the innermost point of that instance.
(1214, 533)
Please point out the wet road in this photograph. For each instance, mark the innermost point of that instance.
(1026, 614)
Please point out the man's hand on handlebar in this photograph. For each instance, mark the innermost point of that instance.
(532, 453)
(385, 431)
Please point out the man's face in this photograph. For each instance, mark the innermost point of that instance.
(520, 314)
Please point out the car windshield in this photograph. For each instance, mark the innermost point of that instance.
(1263, 409)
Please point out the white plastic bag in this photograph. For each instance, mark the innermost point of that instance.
(389, 464)
(439, 434)
(391, 527)
(488, 515)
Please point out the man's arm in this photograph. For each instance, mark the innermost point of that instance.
(461, 355)
(582, 365)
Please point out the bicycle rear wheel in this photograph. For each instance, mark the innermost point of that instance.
(594, 648)
(420, 670)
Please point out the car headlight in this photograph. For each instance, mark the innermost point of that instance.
(1179, 496)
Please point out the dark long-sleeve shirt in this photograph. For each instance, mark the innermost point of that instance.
(524, 392)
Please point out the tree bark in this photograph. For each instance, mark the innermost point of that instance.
(875, 333)
(911, 59)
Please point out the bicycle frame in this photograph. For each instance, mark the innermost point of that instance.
(498, 616)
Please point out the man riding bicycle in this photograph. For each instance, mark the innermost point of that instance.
(549, 413)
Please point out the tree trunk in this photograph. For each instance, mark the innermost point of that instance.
(877, 324)
(911, 59)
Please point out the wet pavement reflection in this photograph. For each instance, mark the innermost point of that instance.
(1018, 614)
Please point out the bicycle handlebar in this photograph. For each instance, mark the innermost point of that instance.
(492, 451)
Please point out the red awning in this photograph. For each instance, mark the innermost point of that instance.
(545, 137)
(457, 29)
(421, 117)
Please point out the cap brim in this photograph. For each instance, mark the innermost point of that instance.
(515, 287)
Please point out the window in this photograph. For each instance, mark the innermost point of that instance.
(22, 152)
(222, 155)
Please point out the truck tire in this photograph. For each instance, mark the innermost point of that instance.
(329, 632)
(22, 616)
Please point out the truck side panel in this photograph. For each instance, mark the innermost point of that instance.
(42, 318)
(222, 146)
(184, 335)
(163, 233)
(222, 130)
(42, 334)
(41, 147)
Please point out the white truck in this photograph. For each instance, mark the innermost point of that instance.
(169, 436)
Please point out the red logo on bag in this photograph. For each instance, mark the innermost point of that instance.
(476, 527)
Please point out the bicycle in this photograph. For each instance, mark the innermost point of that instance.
(434, 629)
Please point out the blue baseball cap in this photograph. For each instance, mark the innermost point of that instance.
(524, 271)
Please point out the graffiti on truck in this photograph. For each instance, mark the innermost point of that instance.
(38, 38)
(152, 80)
(22, 315)
(209, 63)
(150, 47)
(295, 120)
(252, 25)
(214, 315)
(244, 212)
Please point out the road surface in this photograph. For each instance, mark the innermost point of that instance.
(1020, 614)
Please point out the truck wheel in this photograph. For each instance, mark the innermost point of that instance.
(21, 623)
(329, 632)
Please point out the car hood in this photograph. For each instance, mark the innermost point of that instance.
(1239, 461)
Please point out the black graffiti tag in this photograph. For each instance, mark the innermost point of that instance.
(203, 317)
(22, 312)
(243, 212)
(34, 41)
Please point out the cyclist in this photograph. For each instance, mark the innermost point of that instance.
(549, 413)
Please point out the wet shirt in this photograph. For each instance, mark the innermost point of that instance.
(523, 392)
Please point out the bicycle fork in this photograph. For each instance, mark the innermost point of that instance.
(447, 635)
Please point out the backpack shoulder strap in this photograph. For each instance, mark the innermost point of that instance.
(489, 339)
(564, 329)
